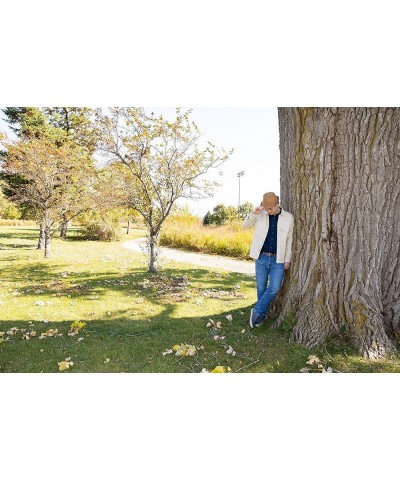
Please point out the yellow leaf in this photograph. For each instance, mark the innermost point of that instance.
(63, 366)
(218, 369)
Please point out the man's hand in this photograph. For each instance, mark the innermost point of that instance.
(286, 265)
(257, 210)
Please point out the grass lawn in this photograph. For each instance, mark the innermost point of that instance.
(132, 316)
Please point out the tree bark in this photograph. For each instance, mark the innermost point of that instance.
(41, 237)
(153, 250)
(128, 227)
(47, 240)
(64, 228)
(340, 177)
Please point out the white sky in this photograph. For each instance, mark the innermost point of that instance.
(253, 134)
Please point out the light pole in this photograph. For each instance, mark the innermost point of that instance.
(240, 174)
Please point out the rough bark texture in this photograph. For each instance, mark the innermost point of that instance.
(340, 177)
(153, 241)
(47, 240)
(64, 227)
(41, 238)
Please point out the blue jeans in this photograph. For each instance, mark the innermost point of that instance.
(269, 276)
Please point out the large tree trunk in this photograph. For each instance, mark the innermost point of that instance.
(340, 177)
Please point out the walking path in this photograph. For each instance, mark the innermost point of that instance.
(213, 261)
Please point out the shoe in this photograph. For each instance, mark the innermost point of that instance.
(253, 319)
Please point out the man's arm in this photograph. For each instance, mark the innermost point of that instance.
(251, 218)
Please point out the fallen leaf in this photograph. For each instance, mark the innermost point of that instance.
(312, 359)
(231, 351)
(167, 352)
(106, 360)
(220, 369)
(65, 364)
(243, 331)
(229, 317)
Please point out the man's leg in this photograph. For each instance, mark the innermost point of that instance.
(262, 272)
(276, 272)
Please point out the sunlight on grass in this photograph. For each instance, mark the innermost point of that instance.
(132, 316)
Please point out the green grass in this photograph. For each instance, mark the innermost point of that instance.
(133, 316)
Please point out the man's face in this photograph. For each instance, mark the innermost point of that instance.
(272, 210)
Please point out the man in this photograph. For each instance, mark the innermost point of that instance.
(272, 250)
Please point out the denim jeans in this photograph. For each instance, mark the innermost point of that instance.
(269, 276)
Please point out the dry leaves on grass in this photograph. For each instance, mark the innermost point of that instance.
(28, 335)
(65, 364)
(214, 328)
(222, 294)
(231, 351)
(52, 332)
(182, 350)
(312, 360)
(75, 328)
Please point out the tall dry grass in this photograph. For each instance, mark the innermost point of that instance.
(187, 233)
(12, 222)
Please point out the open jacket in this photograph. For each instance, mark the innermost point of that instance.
(285, 234)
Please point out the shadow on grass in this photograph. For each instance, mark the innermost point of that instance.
(179, 284)
(117, 344)
(138, 345)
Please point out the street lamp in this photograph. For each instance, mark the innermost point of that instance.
(240, 174)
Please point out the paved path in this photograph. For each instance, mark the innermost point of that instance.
(213, 261)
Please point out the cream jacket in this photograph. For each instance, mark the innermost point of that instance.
(284, 236)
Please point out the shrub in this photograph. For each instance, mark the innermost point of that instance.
(102, 226)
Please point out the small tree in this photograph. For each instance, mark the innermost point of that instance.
(207, 218)
(244, 209)
(161, 162)
(223, 214)
(48, 172)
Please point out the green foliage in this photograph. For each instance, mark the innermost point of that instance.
(102, 225)
(207, 218)
(244, 209)
(32, 122)
(222, 214)
(8, 209)
(77, 123)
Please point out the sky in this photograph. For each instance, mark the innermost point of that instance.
(253, 134)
